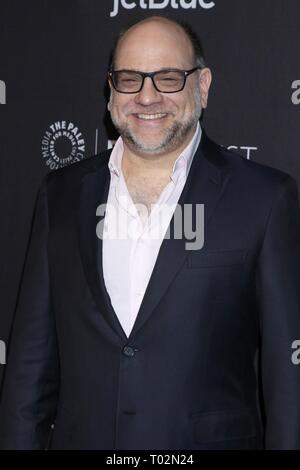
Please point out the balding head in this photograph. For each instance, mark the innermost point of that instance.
(163, 29)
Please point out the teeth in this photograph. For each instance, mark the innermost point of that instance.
(151, 116)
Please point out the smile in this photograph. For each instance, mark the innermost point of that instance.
(149, 117)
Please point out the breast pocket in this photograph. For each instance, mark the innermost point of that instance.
(215, 259)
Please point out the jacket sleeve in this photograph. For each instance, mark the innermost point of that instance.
(278, 284)
(30, 386)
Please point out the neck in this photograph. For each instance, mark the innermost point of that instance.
(138, 162)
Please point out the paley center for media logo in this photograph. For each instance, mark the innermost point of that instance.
(2, 92)
(160, 5)
(62, 144)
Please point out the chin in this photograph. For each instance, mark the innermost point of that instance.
(153, 150)
(148, 143)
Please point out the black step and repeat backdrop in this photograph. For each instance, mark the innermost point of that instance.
(54, 56)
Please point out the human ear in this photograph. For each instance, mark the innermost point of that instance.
(205, 79)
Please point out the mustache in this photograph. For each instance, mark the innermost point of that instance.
(148, 110)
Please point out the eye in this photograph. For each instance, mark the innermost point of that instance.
(129, 80)
(125, 76)
(169, 77)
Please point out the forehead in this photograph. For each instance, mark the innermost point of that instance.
(153, 45)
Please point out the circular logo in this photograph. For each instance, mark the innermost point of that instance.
(62, 145)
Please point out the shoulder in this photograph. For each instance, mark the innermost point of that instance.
(72, 174)
(249, 176)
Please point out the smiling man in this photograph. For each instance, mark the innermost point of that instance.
(126, 339)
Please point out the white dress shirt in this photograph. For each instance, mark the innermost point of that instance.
(130, 248)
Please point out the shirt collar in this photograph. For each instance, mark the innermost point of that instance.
(115, 159)
(184, 160)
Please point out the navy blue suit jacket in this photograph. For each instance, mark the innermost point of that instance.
(215, 326)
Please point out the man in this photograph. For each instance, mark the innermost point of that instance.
(138, 342)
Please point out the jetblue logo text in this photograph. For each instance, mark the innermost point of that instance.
(160, 5)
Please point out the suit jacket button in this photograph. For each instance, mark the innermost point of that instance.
(128, 351)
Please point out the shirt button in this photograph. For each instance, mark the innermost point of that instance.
(128, 351)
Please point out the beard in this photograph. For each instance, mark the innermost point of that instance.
(173, 136)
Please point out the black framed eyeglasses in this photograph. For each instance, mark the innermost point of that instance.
(164, 81)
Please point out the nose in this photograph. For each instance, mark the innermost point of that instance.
(148, 94)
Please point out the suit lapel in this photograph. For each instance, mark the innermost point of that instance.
(94, 192)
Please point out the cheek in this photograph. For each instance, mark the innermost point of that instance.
(182, 103)
(121, 105)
